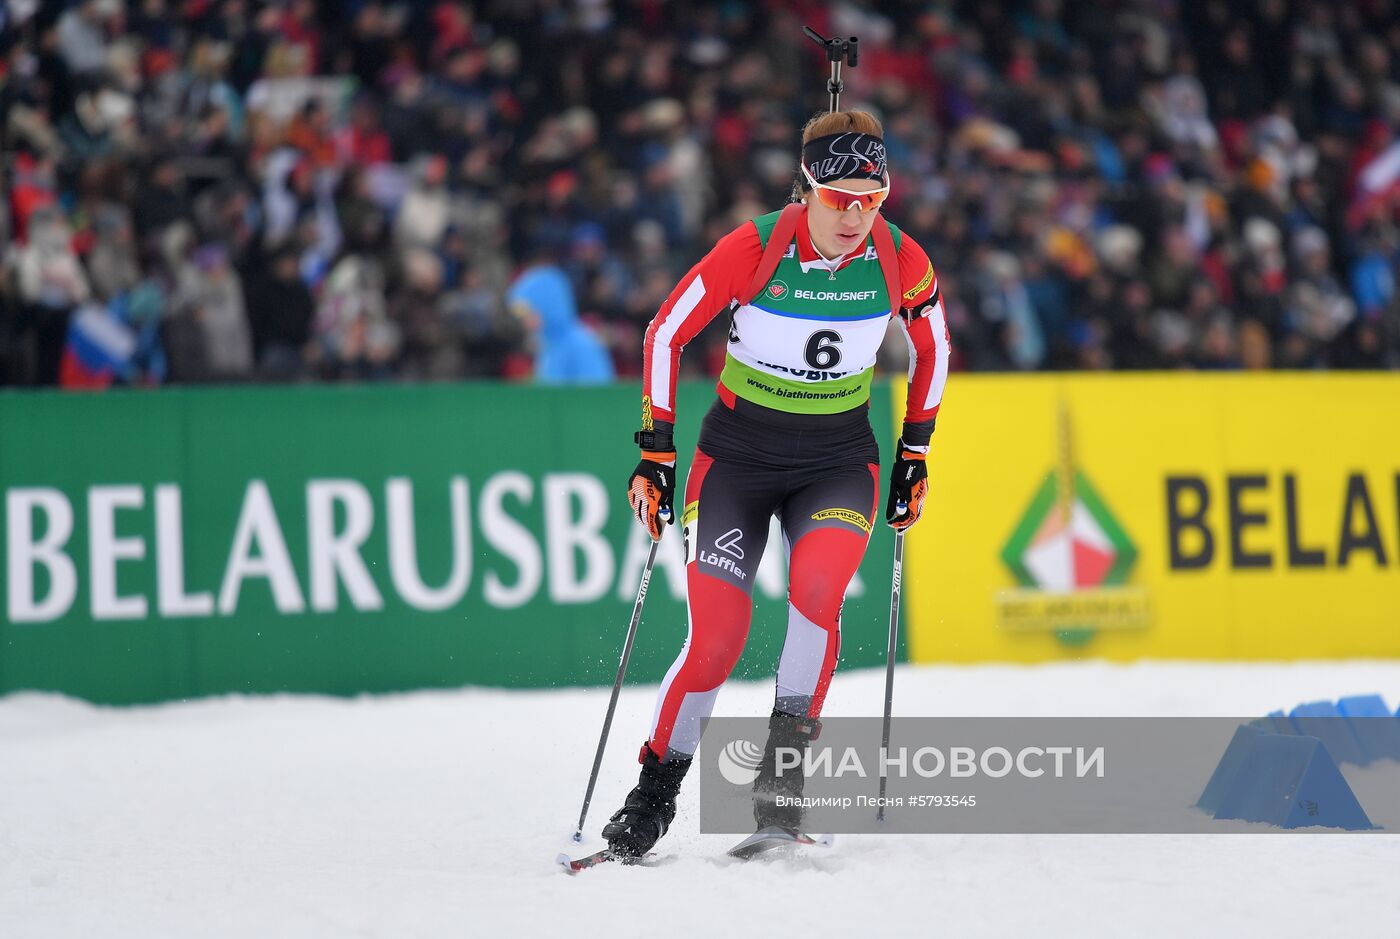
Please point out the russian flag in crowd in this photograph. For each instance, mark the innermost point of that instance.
(99, 349)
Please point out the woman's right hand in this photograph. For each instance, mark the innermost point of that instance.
(652, 489)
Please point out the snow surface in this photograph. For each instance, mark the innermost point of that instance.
(440, 813)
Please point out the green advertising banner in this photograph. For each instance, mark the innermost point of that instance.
(340, 540)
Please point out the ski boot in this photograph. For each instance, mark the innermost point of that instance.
(649, 809)
(789, 732)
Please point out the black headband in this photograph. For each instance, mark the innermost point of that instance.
(845, 156)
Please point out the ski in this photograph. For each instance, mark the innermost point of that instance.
(760, 842)
(766, 839)
(574, 865)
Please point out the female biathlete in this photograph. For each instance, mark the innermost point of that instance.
(789, 435)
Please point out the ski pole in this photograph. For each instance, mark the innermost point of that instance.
(617, 687)
(889, 662)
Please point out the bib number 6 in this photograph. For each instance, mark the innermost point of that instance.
(821, 351)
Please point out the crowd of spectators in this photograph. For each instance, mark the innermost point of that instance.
(289, 190)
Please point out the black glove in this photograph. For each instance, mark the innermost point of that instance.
(651, 490)
(908, 487)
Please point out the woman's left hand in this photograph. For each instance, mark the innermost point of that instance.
(908, 487)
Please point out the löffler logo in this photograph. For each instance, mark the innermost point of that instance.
(729, 543)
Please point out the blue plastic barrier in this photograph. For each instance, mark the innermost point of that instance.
(1322, 720)
(1370, 721)
(1231, 764)
(1281, 723)
(1363, 705)
(1285, 780)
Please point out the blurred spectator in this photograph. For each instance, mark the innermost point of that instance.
(1255, 352)
(491, 338)
(354, 336)
(429, 349)
(34, 187)
(51, 283)
(280, 309)
(1007, 304)
(112, 261)
(82, 35)
(422, 215)
(218, 305)
(1318, 308)
(566, 351)
(161, 202)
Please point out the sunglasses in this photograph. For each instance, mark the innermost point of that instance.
(834, 197)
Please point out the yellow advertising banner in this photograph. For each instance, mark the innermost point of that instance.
(1186, 516)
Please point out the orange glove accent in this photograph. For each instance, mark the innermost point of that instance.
(651, 490)
(908, 488)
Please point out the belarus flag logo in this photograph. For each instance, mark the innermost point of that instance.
(1068, 539)
(1071, 559)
